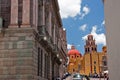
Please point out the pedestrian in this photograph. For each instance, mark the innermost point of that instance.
(107, 77)
(58, 78)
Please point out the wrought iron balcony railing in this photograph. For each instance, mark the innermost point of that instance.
(55, 48)
(44, 33)
(44, 36)
(42, 30)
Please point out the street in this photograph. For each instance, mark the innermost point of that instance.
(70, 78)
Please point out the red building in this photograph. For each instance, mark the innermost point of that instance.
(74, 60)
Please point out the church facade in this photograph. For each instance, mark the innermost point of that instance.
(92, 62)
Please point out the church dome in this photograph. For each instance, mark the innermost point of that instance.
(73, 51)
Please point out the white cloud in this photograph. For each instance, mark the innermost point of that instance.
(78, 45)
(100, 38)
(84, 37)
(85, 10)
(72, 8)
(103, 23)
(64, 29)
(69, 46)
(69, 8)
(83, 27)
(99, 30)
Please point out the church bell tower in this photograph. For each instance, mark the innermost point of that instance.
(90, 45)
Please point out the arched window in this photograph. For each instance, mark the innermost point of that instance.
(88, 50)
(92, 49)
(85, 49)
(20, 5)
(5, 10)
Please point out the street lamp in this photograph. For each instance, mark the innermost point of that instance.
(57, 55)
(60, 60)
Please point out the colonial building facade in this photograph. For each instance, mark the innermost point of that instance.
(32, 40)
(91, 62)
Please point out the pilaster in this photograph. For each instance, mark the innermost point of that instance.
(50, 25)
(26, 14)
(42, 12)
(14, 14)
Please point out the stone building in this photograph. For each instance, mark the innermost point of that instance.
(91, 62)
(32, 40)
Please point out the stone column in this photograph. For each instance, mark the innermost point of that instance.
(14, 14)
(26, 14)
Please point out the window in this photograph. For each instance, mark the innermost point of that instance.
(47, 16)
(95, 49)
(92, 49)
(46, 67)
(105, 63)
(104, 58)
(88, 50)
(72, 56)
(38, 71)
(85, 49)
(41, 61)
(5, 7)
(20, 4)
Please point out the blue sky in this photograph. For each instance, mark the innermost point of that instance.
(80, 18)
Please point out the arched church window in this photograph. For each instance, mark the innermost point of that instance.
(105, 63)
(92, 48)
(73, 70)
(85, 49)
(95, 49)
(5, 8)
(47, 16)
(20, 6)
(72, 56)
(91, 43)
(88, 49)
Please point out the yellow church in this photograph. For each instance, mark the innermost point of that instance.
(91, 62)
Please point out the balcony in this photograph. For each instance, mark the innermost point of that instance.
(104, 58)
(42, 30)
(55, 48)
(44, 38)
